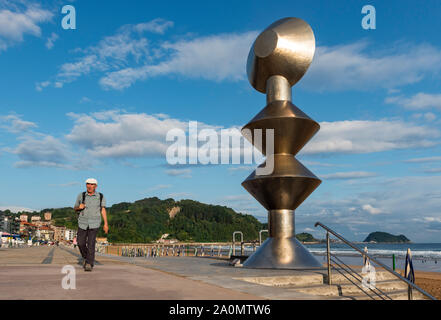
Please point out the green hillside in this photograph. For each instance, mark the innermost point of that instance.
(148, 219)
(306, 237)
(385, 237)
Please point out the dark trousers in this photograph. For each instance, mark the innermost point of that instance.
(86, 242)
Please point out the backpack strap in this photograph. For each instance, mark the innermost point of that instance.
(101, 198)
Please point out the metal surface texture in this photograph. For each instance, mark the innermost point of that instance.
(285, 48)
(277, 60)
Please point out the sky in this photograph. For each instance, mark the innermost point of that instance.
(98, 101)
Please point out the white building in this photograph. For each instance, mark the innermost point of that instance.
(69, 234)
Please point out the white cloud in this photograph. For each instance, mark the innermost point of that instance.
(114, 134)
(117, 134)
(180, 195)
(241, 168)
(240, 197)
(395, 205)
(348, 175)
(14, 123)
(425, 159)
(217, 57)
(371, 209)
(16, 209)
(44, 152)
(128, 56)
(185, 173)
(432, 170)
(111, 53)
(157, 25)
(428, 116)
(39, 86)
(362, 66)
(359, 136)
(418, 101)
(16, 22)
(321, 164)
(51, 40)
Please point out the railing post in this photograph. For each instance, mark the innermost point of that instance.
(260, 236)
(393, 262)
(408, 273)
(365, 258)
(328, 254)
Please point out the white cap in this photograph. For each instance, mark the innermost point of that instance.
(92, 181)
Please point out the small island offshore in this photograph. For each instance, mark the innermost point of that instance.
(383, 237)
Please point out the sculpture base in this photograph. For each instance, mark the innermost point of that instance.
(282, 253)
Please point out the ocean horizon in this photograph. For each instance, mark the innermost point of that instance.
(425, 256)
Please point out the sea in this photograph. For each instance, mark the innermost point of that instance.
(425, 256)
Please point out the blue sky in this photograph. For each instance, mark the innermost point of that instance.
(97, 101)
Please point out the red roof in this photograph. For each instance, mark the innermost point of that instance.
(27, 223)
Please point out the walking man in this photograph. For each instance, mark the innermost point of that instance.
(90, 205)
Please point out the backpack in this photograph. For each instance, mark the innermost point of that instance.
(101, 199)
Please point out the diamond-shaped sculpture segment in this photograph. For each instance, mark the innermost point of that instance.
(292, 128)
(286, 187)
(278, 59)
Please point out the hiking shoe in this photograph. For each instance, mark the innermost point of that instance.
(88, 267)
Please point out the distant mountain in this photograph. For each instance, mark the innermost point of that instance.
(305, 237)
(386, 237)
(148, 219)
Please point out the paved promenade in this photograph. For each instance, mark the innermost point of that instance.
(35, 273)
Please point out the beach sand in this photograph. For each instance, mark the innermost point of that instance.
(430, 282)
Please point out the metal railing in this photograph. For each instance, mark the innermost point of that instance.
(260, 236)
(411, 285)
(241, 242)
(163, 250)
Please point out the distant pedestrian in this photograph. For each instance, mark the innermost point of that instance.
(90, 205)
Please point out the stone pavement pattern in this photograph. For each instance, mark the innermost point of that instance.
(35, 273)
